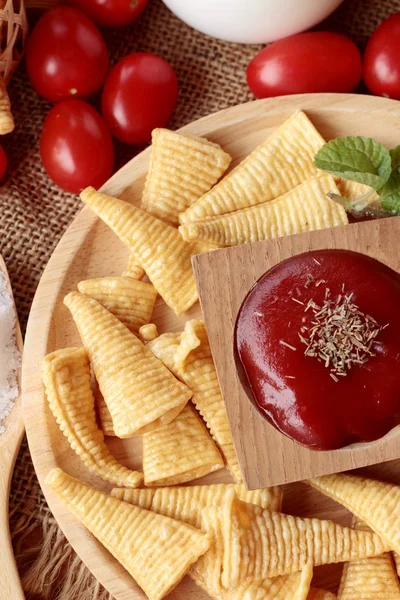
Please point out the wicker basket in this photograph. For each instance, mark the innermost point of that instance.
(13, 33)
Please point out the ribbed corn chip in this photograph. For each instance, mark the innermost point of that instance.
(259, 544)
(66, 378)
(164, 348)
(104, 415)
(140, 392)
(148, 333)
(179, 452)
(319, 594)
(132, 269)
(6, 118)
(187, 503)
(188, 356)
(182, 168)
(353, 189)
(304, 208)
(286, 587)
(130, 300)
(369, 578)
(196, 368)
(374, 502)
(281, 163)
(207, 571)
(158, 248)
(157, 551)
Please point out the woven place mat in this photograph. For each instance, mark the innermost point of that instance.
(34, 214)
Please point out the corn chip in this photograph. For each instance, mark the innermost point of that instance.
(187, 503)
(304, 208)
(66, 377)
(132, 269)
(6, 118)
(155, 550)
(104, 415)
(130, 300)
(164, 348)
(369, 578)
(148, 333)
(281, 163)
(353, 189)
(182, 168)
(286, 587)
(158, 248)
(374, 502)
(196, 368)
(180, 451)
(139, 390)
(259, 544)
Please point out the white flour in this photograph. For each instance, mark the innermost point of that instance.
(10, 358)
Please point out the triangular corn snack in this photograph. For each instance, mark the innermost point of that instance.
(164, 347)
(6, 117)
(130, 300)
(182, 168)
(188, 356)
(155, 550)
(148, 332)
(158, 248)
(369, 578)
(187, 503)
(286, 587)
(104, 415)
(179, 451)
(304, 208)
(195, 367)
(207, 571)
(319, 594)
(354, 189)
(132, 269)
(140, 392)
(374, 502)
(66, 378)
(281, 163)
(259, 544)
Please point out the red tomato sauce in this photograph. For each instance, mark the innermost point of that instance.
(298, 393)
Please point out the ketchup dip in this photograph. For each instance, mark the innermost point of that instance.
(317, 345)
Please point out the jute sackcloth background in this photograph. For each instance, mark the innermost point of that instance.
(34, 214)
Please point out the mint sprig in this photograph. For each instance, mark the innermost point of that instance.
(367, 161)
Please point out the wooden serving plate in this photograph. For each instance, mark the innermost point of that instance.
(90, 249)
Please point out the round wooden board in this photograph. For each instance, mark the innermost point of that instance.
(89, 249)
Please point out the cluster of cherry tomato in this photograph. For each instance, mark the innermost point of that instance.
(67, 62)
(328, 62)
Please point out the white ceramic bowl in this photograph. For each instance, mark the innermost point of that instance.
(252, 21)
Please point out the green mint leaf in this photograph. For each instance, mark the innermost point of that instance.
(390, 194)
(395, 155)
(356, 158)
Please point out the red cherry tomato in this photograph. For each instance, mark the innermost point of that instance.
(76, 146)
(382, 59)
(111, 13)
(140, 94)
(3, 163)
(66, 55)
(318, 61)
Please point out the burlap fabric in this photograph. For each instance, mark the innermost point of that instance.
(34, 214)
